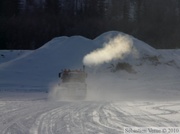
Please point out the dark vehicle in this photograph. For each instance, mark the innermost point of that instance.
(73, 84)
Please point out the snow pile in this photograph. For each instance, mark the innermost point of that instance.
(38, 70)
(117, 46)
(142, 47)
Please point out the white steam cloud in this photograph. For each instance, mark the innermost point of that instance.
(115, 49)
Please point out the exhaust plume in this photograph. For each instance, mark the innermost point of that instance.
(116, 48)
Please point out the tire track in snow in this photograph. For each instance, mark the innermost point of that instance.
(70, 119)
(46, 121)
(150, 118)
(40, 117)
(12, 121)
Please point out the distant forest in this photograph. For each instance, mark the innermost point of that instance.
(28, 24)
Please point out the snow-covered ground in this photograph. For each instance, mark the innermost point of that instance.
(87, 117)
(143, 94)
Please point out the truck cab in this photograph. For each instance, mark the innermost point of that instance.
(73, 84)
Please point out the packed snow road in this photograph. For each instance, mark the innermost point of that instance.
(84, 117)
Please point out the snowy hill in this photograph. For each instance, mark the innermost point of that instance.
(37, 70)
(7, 55)
(41, 67)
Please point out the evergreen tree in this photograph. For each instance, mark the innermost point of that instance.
(90, 8)
(52, 6)
(9, 7)
(101, 8)
(69, 7)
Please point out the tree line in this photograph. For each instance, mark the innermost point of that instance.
(28, 24)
